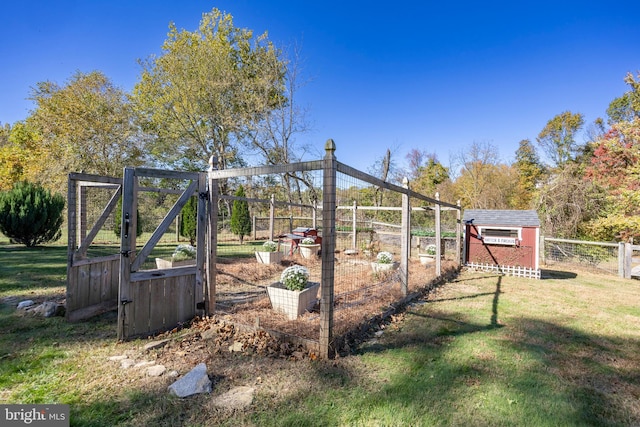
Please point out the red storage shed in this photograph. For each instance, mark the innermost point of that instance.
(503, 240)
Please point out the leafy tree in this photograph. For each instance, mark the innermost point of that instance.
(188, 220)
(86, 125)
(615, 166)
(204, 89)
(426, 172)
(567, 201)
(557, 138)
(20, 156)
(30, 214)
(240, 218)
(626, 107)
(484, 182)
(530, 172)
(273, 137)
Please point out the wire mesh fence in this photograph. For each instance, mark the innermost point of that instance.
(598, 257)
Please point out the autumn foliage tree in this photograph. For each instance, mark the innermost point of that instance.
(615, 166)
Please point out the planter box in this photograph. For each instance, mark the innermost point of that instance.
(293, 303)
(379, 267)
(427, 259)
(309, 251)
(269, 257)
(163, 263)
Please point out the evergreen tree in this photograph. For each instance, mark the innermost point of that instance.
(30, 214)
(188, 220)
(240, 218)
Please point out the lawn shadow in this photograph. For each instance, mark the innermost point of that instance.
(556, 274)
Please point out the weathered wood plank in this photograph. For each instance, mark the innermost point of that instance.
(157, 303)
(127, 245)
(141, 303)
(266, 170)
(91, 311)
(95, 283)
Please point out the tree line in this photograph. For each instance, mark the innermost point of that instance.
(224, 91)
(580, 190)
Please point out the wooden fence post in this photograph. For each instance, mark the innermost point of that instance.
(212, 250)
(621, 259)
(628, 253)
(329, 184)
(438, 238)
(354, 226)
(459, 234)
(272, 217)
(405, 240)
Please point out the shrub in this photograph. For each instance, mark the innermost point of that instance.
(384, 258)
(30, 214)
(183, 252)
(295, 278)
(269, 246)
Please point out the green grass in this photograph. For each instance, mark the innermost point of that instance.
(481, 350)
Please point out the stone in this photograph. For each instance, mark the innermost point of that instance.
(236, 347)
(127, 363)
(156, 371)
(24, 304)
(118, 358)
(194, 382)
(49, 309)
(155, 345)
(144, 364)
(236, 398)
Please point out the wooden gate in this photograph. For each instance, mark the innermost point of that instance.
(150, 301)
(92, 281)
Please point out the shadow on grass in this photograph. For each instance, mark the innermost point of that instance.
(556, 274)
(453, 370)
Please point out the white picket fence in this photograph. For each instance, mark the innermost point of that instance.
(517, 271)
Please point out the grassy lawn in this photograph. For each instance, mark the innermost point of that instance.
(481, 350)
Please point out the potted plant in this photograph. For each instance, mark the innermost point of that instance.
(293, 294)
(182, 255)
(269, 254)
(429, 256)
(384, 262)
(308, 247)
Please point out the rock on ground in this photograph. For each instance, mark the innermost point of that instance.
(195, 381)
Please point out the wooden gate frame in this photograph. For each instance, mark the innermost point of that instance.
(92, 283)
(154, 300)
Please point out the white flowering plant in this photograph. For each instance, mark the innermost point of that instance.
(384, 257)
(269, 246)
(308, 241)
(431, 249)
(183, 252)
(295, 278)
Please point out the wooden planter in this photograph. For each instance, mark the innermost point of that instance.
(269, 257)
(309, 251)
(163, 263)
(378, 267)
(427, 259)
(293, 303)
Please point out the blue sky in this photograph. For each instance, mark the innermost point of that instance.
(436, 76)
